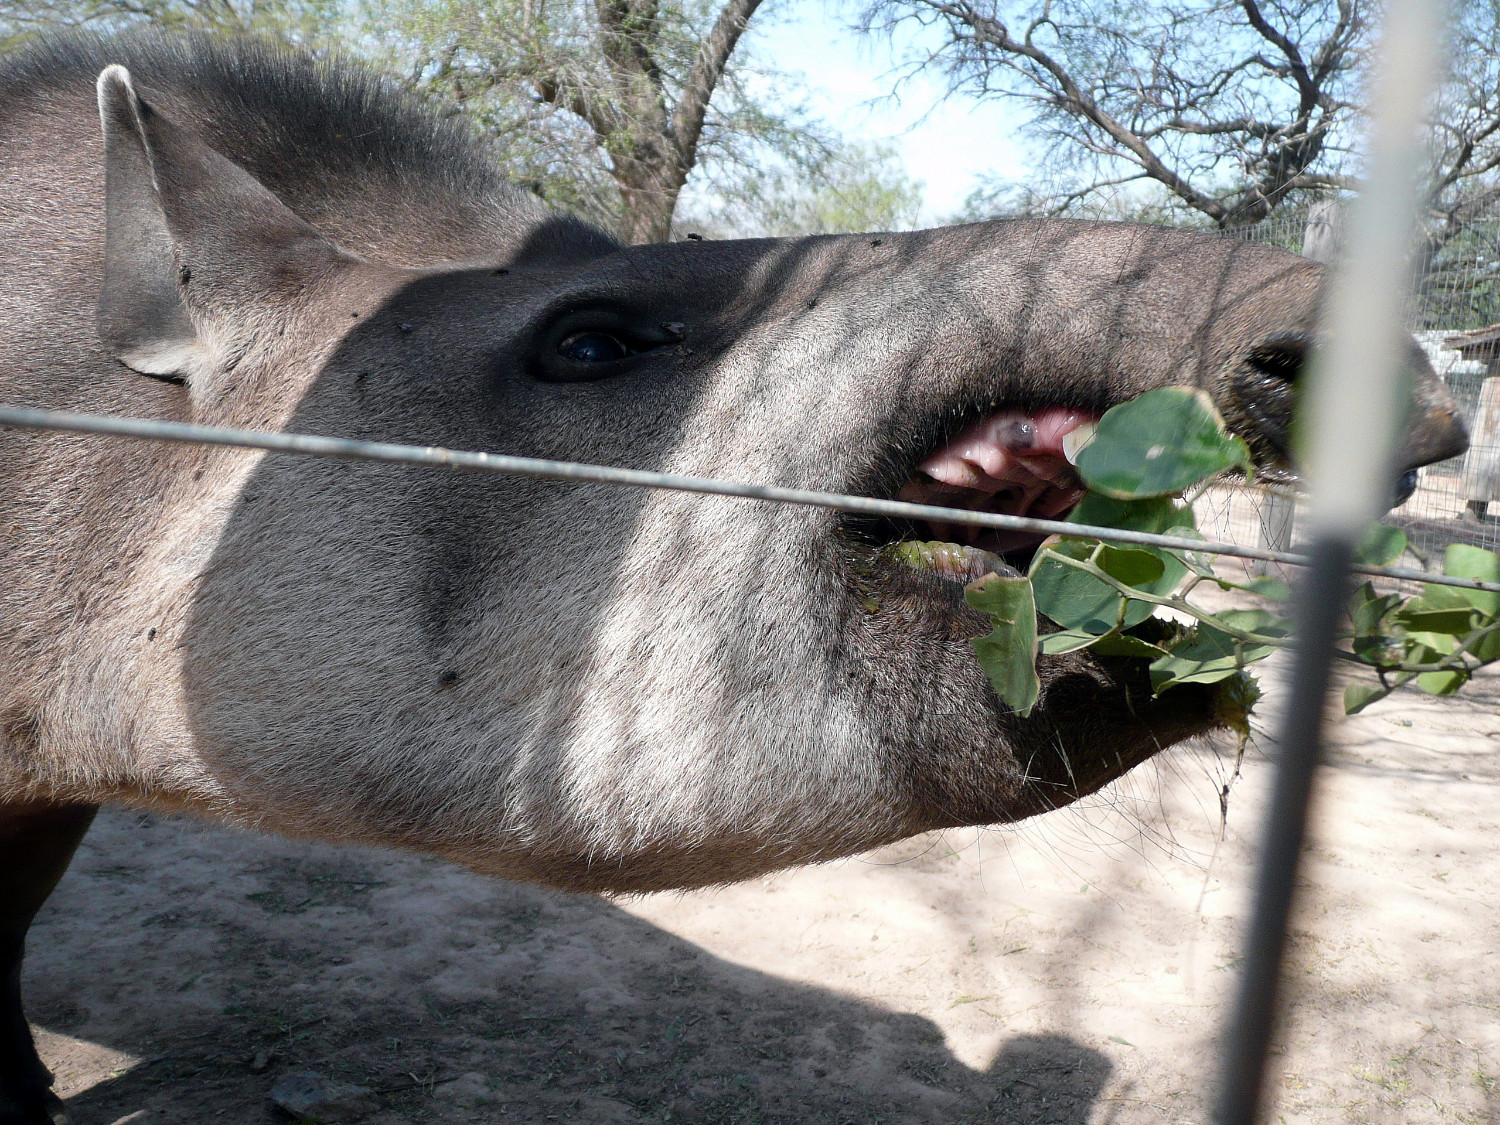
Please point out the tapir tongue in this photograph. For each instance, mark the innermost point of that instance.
(1011, 462)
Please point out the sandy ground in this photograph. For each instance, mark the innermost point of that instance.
(1074, 971)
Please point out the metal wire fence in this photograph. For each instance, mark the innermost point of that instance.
(1455, 317)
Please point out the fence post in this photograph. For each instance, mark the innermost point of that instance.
(1324, 234)
(1321, 239)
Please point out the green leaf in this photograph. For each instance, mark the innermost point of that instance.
(1156, 514)
(1443, 644)
(1077, 600)
(1259, 621)
(1159, 444)
(1464, 561)
(1204, 656)
(1068, 640)
(1131, 566)
(1102, 644)
(1434, 598)
(1123, 644)
(1381, 546)
(1442, 683)
(1267, 587)
(1008, 653)
(1359, 696)
(1421, 615)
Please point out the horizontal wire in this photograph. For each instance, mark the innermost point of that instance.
(348, 449)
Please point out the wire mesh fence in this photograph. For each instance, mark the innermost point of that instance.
(1455, 318)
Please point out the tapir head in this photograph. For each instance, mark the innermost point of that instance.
(610, 688)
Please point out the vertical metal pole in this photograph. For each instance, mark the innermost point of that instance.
(1322, 238)
(1354, 402)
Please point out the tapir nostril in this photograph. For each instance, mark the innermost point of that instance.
(1262, 395)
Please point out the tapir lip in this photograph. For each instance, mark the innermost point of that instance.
(895, 475)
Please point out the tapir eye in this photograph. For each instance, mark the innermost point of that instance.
(593, 347)
(583, 345)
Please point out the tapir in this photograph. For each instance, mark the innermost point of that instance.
(593, 688)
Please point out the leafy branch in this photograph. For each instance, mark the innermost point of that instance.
(1105, 598)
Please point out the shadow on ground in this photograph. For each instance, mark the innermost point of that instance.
(221, 960)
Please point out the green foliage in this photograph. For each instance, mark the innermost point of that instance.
(1158, 445)
(316, 25)
(1082, 597)
(1008, 654)
(1381, 546)
(1103, 597)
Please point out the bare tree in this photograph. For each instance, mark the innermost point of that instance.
(1466, 124)
(652, 145)
(605, 107)
(854, 187)
(1230, 105)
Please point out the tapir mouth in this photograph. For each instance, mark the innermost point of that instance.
(1012, 462)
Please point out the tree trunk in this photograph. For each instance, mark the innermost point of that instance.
(649, 194)
(654, 153)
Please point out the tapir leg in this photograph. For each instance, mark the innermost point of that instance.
(36, 844)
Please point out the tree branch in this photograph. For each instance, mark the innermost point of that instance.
(599, 116)
(1071, 97)
(708, 68)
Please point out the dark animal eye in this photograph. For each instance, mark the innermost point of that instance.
(590, 342)
(593, 347)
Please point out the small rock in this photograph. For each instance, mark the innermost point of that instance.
(467, 1091)
(306, 1093)
(261, 1060)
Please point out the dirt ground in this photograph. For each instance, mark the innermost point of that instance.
(1073, 971)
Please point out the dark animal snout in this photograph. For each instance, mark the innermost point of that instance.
(1261, 395)
(1436, 434)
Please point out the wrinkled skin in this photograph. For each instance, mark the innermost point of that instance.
(593, 688)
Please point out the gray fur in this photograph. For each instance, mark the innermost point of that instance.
(587, 687)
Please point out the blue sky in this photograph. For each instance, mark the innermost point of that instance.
(945, 144)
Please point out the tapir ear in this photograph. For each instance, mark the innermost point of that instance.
(194, 246)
